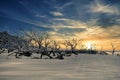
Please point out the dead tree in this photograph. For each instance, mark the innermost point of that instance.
(42, 41)
(114, 47)
(46, 46)
(33, 35)
(72, 44)
(55, 49)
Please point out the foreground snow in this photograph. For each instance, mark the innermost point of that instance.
(82, 67)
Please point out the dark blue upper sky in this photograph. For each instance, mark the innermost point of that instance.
(62, 18)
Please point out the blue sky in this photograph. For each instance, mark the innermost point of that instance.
(87, 19)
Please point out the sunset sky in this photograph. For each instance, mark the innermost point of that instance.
(95, 21)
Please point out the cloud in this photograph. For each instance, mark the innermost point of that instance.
(107, 21)
(64, 28)
(100, 7)
(104, 21)
(40, 16)
(61, 19)
(70, 23)
(114, 30)
(68, 28)
(70, 31)
(57, 36)
(67, 4)
(56, 13)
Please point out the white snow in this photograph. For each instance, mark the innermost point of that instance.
(82, 67)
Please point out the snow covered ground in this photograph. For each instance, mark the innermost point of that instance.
(82, 67)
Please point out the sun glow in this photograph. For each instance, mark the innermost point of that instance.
(89, 45)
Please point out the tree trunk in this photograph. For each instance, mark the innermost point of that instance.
(113, 51)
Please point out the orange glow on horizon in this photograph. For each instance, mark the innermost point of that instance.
(104, 44)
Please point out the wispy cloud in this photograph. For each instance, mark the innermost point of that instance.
(68, 28)
(114, 30)
(99, 7)
(61, 19)
(70, 23)
(56, 13)
(73, 28)
(40, 16)
(64, 5)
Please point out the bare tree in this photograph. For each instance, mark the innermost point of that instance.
(21, 45)
(56, 49)
(46, 46)
(41, 40)
(72, 44)
(114, 47)
(11, 42)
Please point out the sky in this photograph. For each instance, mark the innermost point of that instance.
(96, 21)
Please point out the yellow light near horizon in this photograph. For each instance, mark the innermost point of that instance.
(88, 45)
(93, 44)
